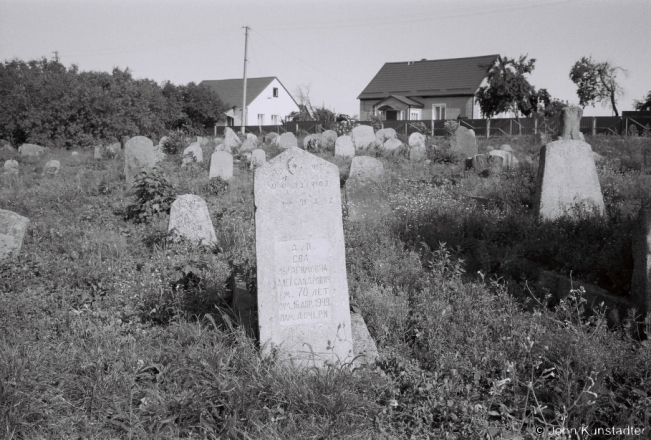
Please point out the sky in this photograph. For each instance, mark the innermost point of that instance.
(332, 48)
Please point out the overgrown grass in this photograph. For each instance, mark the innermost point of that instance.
(109, 329)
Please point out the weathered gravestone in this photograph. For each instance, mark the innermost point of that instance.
(509, 159)
(328, 140)
(303, 303)
(74, 154)
(364, 346)
(113, 150)
(221, 165)
(139, 153)
(31, 150)
(231, 140)
(571, 123)
(286, 141)
(269, 137)
(417, 139)
(384, 134)
(193, 153)
(641, 282)
(392, 147)
(463, 142)
(11, 166)
(190, 219)
(52, 167)
(12, 232)
(253, 138)
(363, 137)
(567, 180)
(344, 147)
(364, 198)
(418, 153)
(478, 163)
(248, 145)
(258, 158)
(312, 142)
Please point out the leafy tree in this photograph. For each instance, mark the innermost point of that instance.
(508, 89)
(192, 106)
(643, 105)
(596, 82)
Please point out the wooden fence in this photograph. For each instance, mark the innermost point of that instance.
(590, 125)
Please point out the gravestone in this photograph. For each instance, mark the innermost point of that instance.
(221, 165)
(571, 123)
(303, 303)
(392, 147)
(74, 153)
(253, 138)
(509, 159)
(312, 142)
(269, 137)
(417, 139)
(463, 142)
(258, 158)
(190, 219)
(231, 140)
(286, 141)
(641, 282)
(478, 163)
(52, 167)
(567, 179)
(363, 137)
(418, 153)
(328, 140)
(139, 153)
(248, 145)
(193, 153)
(344, 147)
(31, 150)
(113, 150)
(11, 166)
(384, 135)
(12, 232)
(363, 344)
(506, 147)
(364, 199)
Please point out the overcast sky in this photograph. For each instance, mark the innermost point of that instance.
(335, 47)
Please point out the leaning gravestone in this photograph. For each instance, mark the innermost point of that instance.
(328, 140)
(344, 147)
(363, 137)
(231, 139)
(364, 199)
(463, 142)
(258, 158)
(221, 165)
(571, 123)
(190, 219)
(12, 232)
(303, 303)
(567, 179)
(139, 153)
(286, 140)
(52, 167)
(31, 150)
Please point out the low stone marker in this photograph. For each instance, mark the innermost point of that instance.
(74, 154)
(258, 158)
(193, 153)
(384, 134)
(11, 167)
(392, 147)
(567, 179)
(139, 153)
(221, 165)
(570, 127)
(190, 219)
(509, 159)
(98, 152)
(328, 140)
(286, 141)
(363, 137)
(463, 142)
(417, 139)
(344, 147)
(12, 231)
(52, 167)
(364, 200)
(303, 302)
(31, 150)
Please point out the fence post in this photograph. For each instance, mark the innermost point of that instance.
(488, 128)
(432, 128)
(519, 128)
(510, 127)
(594, 126)
(535, 125)
(625, 126)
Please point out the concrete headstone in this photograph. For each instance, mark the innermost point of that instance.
(286, 141)
(221, 165)
(258, 158)
(571, 123)
(509, 159)
(344, 147)
(303, 302)
(139, 153)
(392, 147)
(363, 137)
(384, 134)
(190, 219)
(463, 142)
(416, 139)
(328, 140)
(12, 232)
(567, 179)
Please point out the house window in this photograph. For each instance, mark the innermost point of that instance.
(275, 92)
(274, 119)
(414, 114)
(438, 112)
(260, 119)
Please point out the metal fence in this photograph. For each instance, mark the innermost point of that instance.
(590, 125)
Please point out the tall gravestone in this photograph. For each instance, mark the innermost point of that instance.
(221, 165)
(303, 303)
(567, 180)
(139, 153)
(12, 231)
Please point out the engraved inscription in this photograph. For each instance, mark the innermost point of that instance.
(302, 281)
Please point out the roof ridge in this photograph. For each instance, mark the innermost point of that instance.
(443, 59)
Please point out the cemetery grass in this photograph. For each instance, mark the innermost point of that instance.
(109, 329)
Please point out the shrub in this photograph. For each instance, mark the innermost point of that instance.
(450, 127)
(176, 142)
(154, 196)
(216, 186)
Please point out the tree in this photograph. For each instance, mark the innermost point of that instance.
(597, 82)
(644, 105)
(508, 89)
(309, 112)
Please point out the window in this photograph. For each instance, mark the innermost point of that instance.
(438, 112)
(260, 119)
(274, 119)
(414, 114)
(275, 92)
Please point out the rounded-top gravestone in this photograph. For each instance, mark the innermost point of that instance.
(363, 137)
(384, 135)
(248, 145)
(392, 147)
(221, 165)
(193, 153)
(286, 141)
(328, 139)
(139, 153)
(463, 142)
(269, 137)
(416, 139)
(258, 158)
(344, 147)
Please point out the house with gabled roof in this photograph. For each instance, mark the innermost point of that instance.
(425, 89)
(268, 102)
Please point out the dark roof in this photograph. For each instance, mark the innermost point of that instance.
(404, 99)
(455, 76)
(230, 90)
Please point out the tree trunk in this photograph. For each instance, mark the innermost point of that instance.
(612, 102)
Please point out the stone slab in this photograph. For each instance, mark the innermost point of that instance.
(344, 147)
(190, 219)
(12, 232)
(303, 302)
(363, 137)
(328, 139)
(139, 153)
(463, 142)
(258, 158)
(221, 165)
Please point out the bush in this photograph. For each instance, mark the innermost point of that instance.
(154, 196)
(176, 142)
(216, 186)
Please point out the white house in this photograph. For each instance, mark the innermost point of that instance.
(267, 100)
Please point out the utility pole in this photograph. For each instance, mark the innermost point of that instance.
(246, 43)
(56, 56)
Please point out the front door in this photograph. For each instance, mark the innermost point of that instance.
(392, 115)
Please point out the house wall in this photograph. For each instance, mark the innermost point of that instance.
(454, 106)
(267, 105)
